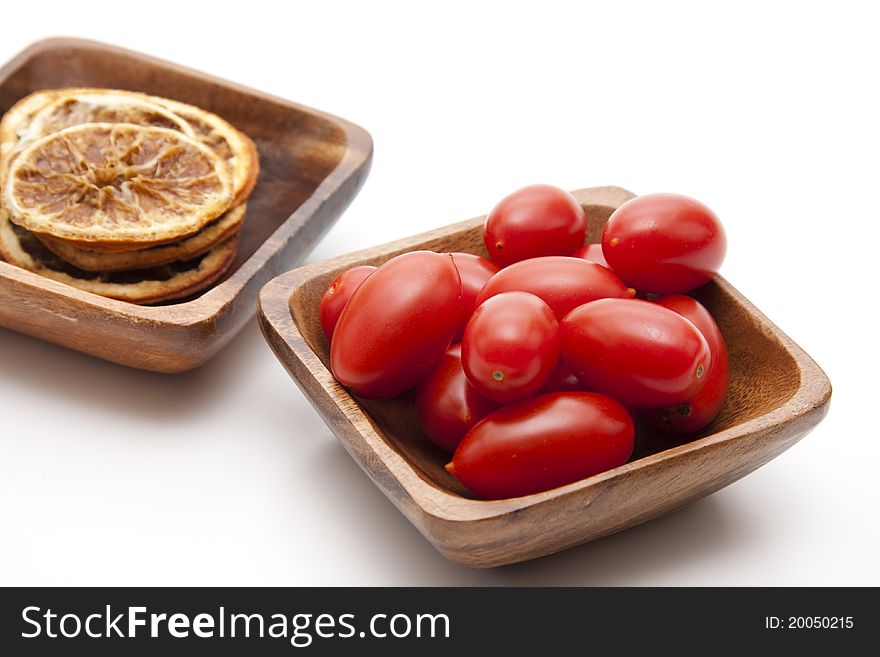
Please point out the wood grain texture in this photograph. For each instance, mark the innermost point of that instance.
(312, 166)
(777, 395)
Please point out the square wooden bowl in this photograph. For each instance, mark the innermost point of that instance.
(777, 395)
(312, 165)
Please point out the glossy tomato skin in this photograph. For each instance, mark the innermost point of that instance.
(448, 406)
(664, 243)
(397, 324)
(591, 252)
(475, 272)
(547, 441)
(642, 354)
(510, 346)
(338, 294)
(537, 220)
(564, 283)
(698, 411)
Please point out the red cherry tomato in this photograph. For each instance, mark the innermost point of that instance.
(698, 411)
(591, 252)
(534, 221)
(544, 442)
(664, 243)
(564, 283)
(447, 404)
(510, 346)
(338, 294)
(397, 324)
(642, 354)
(475, 272)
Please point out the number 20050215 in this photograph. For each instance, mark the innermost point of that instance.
(809, 622)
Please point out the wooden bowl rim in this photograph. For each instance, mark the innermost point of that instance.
(813, 391)
(358, 150)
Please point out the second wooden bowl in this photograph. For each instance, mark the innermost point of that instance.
(311, 165)
(777, 395)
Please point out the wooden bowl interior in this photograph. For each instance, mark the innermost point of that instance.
(298, 148)
(763, 374)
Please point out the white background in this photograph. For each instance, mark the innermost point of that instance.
(767, 112)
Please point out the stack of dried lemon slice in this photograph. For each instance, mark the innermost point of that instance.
(121, 194)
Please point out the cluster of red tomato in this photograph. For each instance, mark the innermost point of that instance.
(551, 353)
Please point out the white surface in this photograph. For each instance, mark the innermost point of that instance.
(767, 112)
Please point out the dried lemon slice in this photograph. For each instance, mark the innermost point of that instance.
(116, 183)
(48, 111)
(214, 233)
(143, 286)
(233, 146)
(45, 112)
(94, 107)
(19, 117)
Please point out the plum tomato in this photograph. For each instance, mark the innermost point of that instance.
(564, 283)
(547, 441)
(642, 354)
(510, 346)
(474, 272)
(591, 252)
(447, 404)
(537, 220)
(698, 411)
(664, 243)
(338, 294)
(397, 324)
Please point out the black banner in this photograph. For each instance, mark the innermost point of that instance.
(431, 621)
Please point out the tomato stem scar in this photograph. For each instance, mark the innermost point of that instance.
(498, 375)
(615, 241)
(699, 370)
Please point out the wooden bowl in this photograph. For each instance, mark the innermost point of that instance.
(777, 395)
(312, 165)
